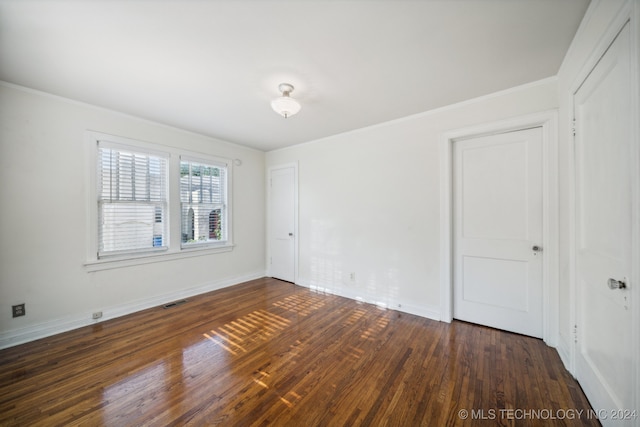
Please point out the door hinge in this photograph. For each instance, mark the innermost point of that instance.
(575, 333)
(573, 127)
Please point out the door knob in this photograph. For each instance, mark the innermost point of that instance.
(290, 234)
(536, 248)
(616, 284)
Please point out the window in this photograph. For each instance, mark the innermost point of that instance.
(154, 202)
(132, 200)
(203, 197)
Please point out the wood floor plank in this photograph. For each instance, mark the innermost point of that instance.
(268, 353)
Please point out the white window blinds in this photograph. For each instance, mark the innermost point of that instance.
(203, 197)
(132, 200)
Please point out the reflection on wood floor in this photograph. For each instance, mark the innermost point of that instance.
(270, 353)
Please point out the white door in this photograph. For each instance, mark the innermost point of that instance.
(282, 222)
(604, 161)
(497, 277)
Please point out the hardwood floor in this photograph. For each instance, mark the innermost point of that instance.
(267, 352)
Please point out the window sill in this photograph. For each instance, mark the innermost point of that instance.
(129, 261)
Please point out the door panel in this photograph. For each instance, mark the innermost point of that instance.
(498, 220)
(496, 275)
(604, 359)
(282, 223)
(485, 167)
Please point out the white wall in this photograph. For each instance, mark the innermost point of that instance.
(44, 220)
(369, 201)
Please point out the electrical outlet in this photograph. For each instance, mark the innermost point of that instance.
(352, 276)
(18, 310)
(97, 315)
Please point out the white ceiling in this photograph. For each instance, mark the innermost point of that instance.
(212, 67)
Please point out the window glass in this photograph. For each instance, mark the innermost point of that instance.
(203, 196)
(132, 200)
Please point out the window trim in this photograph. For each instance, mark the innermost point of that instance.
(150, 258)
(173, 250)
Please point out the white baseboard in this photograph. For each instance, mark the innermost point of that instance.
(68, 323)
(564, 351)
(428, 311)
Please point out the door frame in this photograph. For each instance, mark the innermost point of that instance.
(546, 120)
(628, 12)
(270, 170)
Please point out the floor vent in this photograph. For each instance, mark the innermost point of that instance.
(174, 304)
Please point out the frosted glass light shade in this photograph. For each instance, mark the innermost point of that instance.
(285, 106)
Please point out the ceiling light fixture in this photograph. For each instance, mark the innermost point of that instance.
(285, 105)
